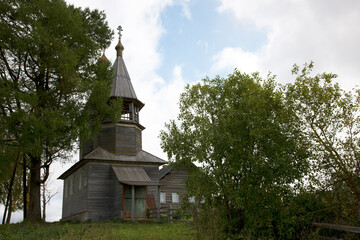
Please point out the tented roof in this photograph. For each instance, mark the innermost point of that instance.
(121, 86)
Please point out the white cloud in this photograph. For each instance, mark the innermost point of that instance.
(326, 32)
(160, 107)
(185, 8)
(230, 58)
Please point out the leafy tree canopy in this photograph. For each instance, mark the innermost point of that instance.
(53, 89)
(249, 146)
(330, 119)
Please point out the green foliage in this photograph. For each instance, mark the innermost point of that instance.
(330, 119)
(53, 89)
(251, 151)
(49, 71)
(109, 230)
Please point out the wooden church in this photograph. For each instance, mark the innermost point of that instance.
(114, 177)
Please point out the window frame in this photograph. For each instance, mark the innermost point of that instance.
(175, 198)
(80, 181)
(162, 197)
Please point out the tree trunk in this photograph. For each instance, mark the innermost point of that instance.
(34, 211)
(9, 194)
(43, 190)
(24, 187)
(9, 211)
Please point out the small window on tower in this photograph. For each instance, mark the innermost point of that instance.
(126, 112)
(136, 113)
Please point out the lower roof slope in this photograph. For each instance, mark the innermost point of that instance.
(101, 155)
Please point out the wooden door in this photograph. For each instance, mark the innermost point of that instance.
(140, 201)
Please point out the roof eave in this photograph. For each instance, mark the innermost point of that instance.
(82, 162)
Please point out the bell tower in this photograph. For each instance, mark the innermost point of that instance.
(123, 137)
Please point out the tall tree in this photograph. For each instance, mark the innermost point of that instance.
(330, 119)
(49, 79)
(250, 150)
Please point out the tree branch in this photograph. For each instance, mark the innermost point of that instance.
(12, 75)
(336, 156)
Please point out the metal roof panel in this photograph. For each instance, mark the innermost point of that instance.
(121, 86)
(132, 176)
(142, 156)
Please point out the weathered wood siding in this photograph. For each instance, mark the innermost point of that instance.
(173, 182)
(107, 138)
(153, 173)
(138, 140)
(153, 191)
(101, 192)
(118, 198)
(115, 138)
(101, 198)
(126, 140)
(86, 147)
(75, 202)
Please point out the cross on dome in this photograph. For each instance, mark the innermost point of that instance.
(120, 29)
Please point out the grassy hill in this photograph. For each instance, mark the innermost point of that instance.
(107, 230)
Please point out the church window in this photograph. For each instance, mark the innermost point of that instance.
(175, 198)
(85, 180)
(162, 197)
(80, 181)
(71, 186)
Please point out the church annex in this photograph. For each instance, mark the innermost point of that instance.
(114, 177)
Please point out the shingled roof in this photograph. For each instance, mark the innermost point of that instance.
(133, 176)
(101, 155)
(141, 157)
(164, 171)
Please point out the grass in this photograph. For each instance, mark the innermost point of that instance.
(107, 230)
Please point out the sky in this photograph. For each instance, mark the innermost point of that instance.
(172, 43)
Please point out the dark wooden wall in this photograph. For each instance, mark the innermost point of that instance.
(138, 140)
(106, 138)
(126, 140)
(173, 182)
(118, 198)
(153, 173)
(75, 204)
(102, 198)
(123, 139)
(101, 192)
